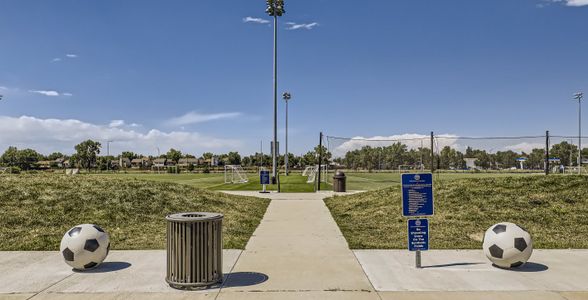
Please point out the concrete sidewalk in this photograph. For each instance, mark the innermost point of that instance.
(298, 252)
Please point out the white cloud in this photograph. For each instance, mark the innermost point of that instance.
(116, 123)
(49, 135)
(67, 94)
(56, 59)
(307, 26)
(194, 117)
(255, 20)
(3, 88)
(46, 93)
(575, 3)
(71, 55)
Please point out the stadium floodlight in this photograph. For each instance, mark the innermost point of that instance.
(275, 8)
(286, 97)
(108, 155)
(578, 96)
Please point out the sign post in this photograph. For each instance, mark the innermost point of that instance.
(264, 178)
(417, 201)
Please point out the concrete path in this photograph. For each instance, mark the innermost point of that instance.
(469, 270)
(300, 249)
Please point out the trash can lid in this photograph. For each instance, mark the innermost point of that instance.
(339, 173)
(193, 216)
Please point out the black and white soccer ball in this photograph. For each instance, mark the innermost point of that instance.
(85, 246)
(507, 245)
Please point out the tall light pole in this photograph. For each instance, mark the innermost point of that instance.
(286, 97)
(275, 8)
(579, 96)
(108, 155)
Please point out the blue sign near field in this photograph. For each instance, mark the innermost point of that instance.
(417, 195)
(418, 234)
(264, 177)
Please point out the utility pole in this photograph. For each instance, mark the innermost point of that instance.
(432, 153)
(286, 97)
(275, 8)
(578, 96)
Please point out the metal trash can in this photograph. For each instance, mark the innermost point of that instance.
(194, 249)
(339, 182)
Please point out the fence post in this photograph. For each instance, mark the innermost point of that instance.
(547, 152)
(432, 154)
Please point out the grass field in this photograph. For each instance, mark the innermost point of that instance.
(363, 181)
(553, 208)
(295, 182)
(36, 210)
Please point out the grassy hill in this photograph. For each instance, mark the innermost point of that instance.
(553, 208)
(36, 210)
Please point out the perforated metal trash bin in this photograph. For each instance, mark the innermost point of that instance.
(194, 249)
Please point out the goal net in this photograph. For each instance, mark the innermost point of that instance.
(308, 170)
(312, 173)
(235, 174)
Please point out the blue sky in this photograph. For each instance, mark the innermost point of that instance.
(197, 75)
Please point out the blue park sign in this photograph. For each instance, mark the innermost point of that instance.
(417, 195)
(264, 177)
(418, 234)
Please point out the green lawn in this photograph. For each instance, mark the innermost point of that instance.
(553, 208)
(295, 183)
(200, 180)
(37, 209)
(364, 181)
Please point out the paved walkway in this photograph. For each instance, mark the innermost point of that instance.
(300, 249)
(298, 252)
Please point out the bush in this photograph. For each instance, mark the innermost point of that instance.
(13, 170)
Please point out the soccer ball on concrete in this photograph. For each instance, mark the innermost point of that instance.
(85, 246)
(507, 245)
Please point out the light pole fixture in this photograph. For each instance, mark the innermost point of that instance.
(578, 96)
(108, 155)
(275, 8)
(286, 96)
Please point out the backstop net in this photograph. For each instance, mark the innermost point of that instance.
(452, 153)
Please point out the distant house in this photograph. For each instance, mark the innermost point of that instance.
(142, 162)
(159, 162)
(45, 164)
(185, 162)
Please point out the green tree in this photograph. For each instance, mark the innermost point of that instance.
(10, 157)
(128, 154)
(86, 153)
(566, 152)
(54, 156)
(233, 158)
(174, 155)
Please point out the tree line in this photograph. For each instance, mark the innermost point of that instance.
(87, 156)
(394, 156)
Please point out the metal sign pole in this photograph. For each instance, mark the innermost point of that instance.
(417, 256)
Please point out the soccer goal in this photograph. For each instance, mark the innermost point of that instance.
(314, 171)
(308, 170)
(235, 174)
